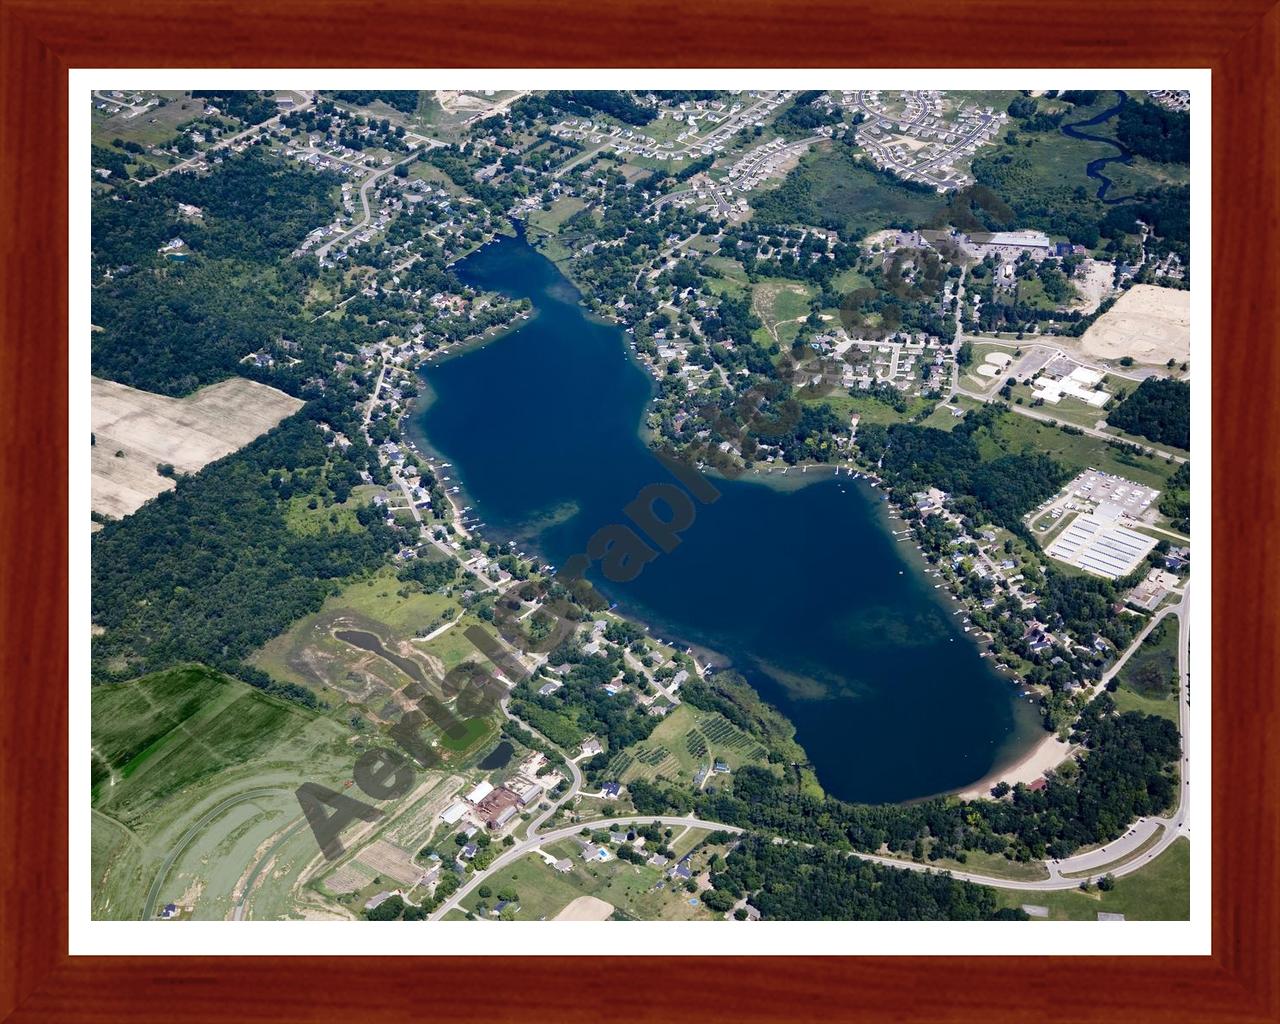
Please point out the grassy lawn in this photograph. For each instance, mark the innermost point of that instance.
(631, 888)
(561, 210)
(1148, 679)
(730, 278)
(848, 280)
(995, 865)
(870, 410)
(1161, 891)
(941, 418)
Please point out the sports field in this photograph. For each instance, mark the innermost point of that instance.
(134, 432)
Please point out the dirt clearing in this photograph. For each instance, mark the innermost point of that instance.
(1151, 324)
(136, 431)
(586, 908)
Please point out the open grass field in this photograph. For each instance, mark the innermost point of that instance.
(1148, 679)
(868, 409)
(187, 433)
(1148, 323)
(155, 125)
(1161, 891)
(1017, 432)
(193, 782)
(561, 210)
(635, 890)
(834, 187)
(730, 278)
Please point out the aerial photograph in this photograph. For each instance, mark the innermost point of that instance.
(639, 505)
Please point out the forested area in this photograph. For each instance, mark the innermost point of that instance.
(210, 571)
(1002, 489)
(180, 328)
(842, 191)
(795, 883)
(250, 106)
(1176, 500)
(614, 102)
(403, 100)
(1127, 772)
(1151, 131)
(173, 326)
(1159, 409)
(582, 707)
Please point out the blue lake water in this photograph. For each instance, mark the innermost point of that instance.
(804, 591)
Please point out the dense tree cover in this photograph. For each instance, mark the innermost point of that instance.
(582, 707)
(616, 103)
(1176, 500)
(1002, 489)
(786, 882)
(430, 573)
(255, 205)
(210, 571)
(804, 115)
(1127, 772)
(247, 105)
(1057, 209)
(109, 159)
(177, 328)
(171, 326)
(1151, 131)
(404, 100)
(1158, 409)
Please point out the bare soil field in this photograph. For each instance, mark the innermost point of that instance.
(586, 908)
(1093, 284)
(135, 431)
(391, 861)
(1151, 324)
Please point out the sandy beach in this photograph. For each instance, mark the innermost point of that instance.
(1048, 753)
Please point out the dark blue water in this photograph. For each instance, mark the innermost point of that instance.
(1094, 168)
(805, 591)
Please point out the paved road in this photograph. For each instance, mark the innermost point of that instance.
(531, 844)
(1177, 824)
(364, 201)
(1023, 410)
(269, 123)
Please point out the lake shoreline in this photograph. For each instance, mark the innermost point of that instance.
(861, 664)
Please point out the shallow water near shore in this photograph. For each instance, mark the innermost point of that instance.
(804, 590)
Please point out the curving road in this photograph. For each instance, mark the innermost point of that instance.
(148, 910)
(1094, 862)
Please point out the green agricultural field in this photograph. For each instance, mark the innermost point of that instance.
(194, 772)
(1160, 891)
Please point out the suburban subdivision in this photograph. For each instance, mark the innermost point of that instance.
(666, 505)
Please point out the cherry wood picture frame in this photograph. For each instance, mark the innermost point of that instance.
(40, 40)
